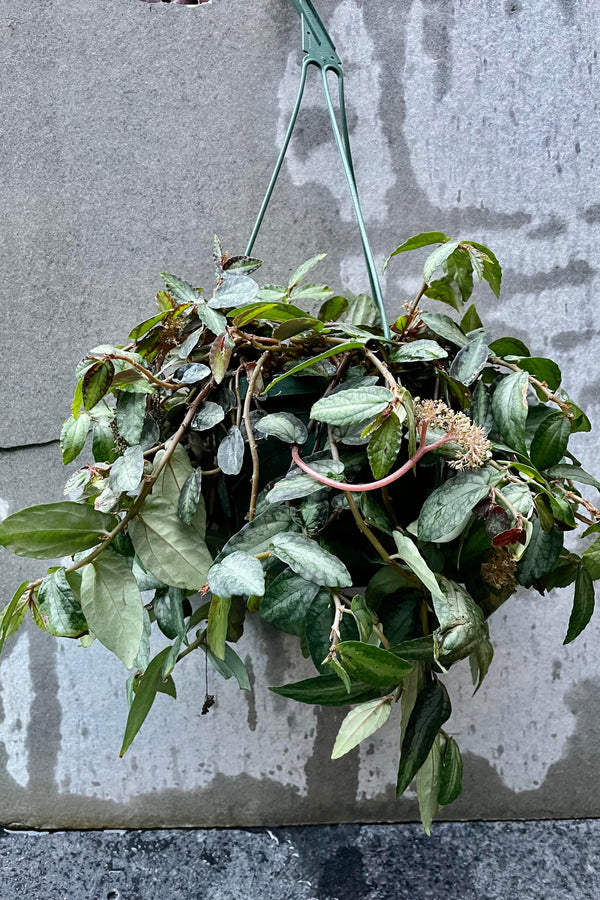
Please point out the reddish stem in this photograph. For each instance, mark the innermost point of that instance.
(374, 485)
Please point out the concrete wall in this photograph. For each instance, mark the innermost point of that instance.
(132, 132)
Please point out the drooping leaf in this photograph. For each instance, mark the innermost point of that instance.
(103, 443)
(13, 613)
(230, 454)
(217, 624)
(469, 361)
(143, 699)
(447, 509)
(172, 551)
(54, 529)
(332, 309)
(510, 408)
(363, 616)
(450, 786)
(231, 666)
(408, 552)
(307, 559)
(73, 436)
(285, 426)
(127, 470)
(372, 665)
(591, 559)
(360, 723)
(62, 613)
(583, 604)
(112, 605)
(446, 290)
(432, 708)
(286, 600)
(425, 239)
(428, 785)
(550, 441)
(237, 573)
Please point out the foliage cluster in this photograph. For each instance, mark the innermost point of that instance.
(250, 456)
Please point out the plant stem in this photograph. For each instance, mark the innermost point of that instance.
(383, 369)
(413, 309)
(251, 440)
(374, 485)
(168, 385)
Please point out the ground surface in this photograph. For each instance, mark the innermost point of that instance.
(557, 860)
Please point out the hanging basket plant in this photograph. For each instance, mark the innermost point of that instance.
(253, 457)
(281, 451)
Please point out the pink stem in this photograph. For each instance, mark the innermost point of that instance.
(374, 485)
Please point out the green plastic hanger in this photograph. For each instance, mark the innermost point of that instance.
(319, 51)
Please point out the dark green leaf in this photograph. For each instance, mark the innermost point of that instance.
(432, 708)
(591, 559)
(96, 382)
(451, 776)
(542, 552)
(144, 698)
(542, 369)
(428, 785)
(492, 272)
(572, 473)
(332, 309)
(363, 617)
(328, 690)
(103, 443)
(509, 346)
(425, 239)
(286, 601)
(550, 441)
(446, 290)
(168, 609)
(583, 605)
(13, 613)
(471, 321)
(339, 348)
(372, 665)
(296, 326)
(384, 446)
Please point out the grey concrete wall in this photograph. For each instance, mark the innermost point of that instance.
(132, 132)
